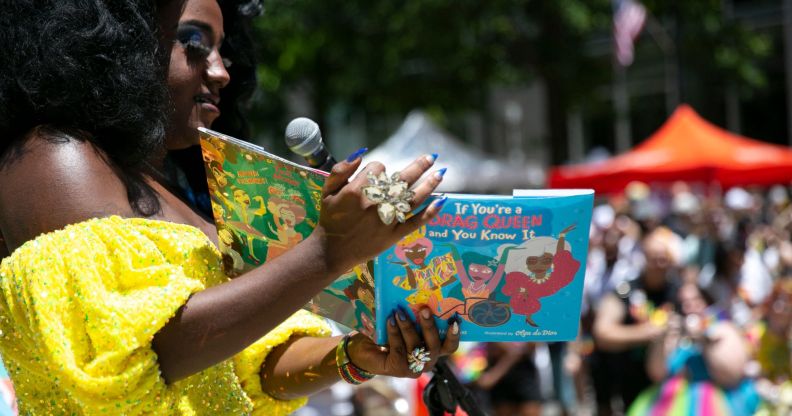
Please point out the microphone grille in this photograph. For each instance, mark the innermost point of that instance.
(303, 136)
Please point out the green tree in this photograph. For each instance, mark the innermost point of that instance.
(390, 57)
(384, 57)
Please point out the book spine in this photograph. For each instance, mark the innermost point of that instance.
(381, 317)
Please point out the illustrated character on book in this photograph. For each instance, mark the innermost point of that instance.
(220, 175)
(315, 192)
(217, 181)
(361, 292)
(246, 213)
(362, 298)
(287, 210)
(548, 267)
(239, 203)
(425, 275)
(214, 157)
(479, 276)
(228, 242)
(213, 150)
(230, 247)
(357, 288)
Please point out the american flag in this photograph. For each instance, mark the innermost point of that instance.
(628, 20)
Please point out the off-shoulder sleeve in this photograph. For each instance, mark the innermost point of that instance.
(79, 308)
(248, 363)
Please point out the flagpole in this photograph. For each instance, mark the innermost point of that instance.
(629, 17)
(621, 107)
(667, 45)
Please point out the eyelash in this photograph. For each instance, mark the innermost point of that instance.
(198, 51)
(191, 40)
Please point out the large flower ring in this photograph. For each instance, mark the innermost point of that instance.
(418, 358)
(391, 194)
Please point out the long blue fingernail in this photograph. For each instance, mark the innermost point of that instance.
(440, 202)
(440, 173)
(401, 315)
(434, 157)
(357, 154)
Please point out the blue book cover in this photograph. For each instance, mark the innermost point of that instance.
(511, 267)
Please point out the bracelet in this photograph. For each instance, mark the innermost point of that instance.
(348, 371)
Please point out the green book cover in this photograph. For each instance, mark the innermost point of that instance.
(264, 205)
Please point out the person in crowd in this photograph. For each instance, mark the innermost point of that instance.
(724, 287)
(512, 379)
(693, 222)
(774, 354)
(614, 257)
(115, 302)
(629, 319)
(756, 279)
(699, 364)
(565, 364)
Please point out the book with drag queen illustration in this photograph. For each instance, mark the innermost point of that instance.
(510, 267)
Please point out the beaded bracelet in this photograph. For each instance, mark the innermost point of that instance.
(348, 371)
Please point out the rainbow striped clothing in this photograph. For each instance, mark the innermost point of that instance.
(692, 392)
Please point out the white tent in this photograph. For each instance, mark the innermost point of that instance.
(469, 170)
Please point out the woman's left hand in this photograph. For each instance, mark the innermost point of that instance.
(402, 340)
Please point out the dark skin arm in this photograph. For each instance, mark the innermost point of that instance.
(297, 370)
(410, 276)
(304, 365)
(217, 323)
(612, 335)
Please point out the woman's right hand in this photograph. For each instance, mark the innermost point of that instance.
(350, 230)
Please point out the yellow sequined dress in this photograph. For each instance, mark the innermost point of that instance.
(79, 308)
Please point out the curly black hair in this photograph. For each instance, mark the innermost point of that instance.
(238, 48)
(90, 68)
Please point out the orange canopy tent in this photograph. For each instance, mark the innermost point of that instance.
(685, 148)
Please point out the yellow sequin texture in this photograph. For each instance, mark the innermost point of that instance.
(80, 306)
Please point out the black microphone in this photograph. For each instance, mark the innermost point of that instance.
(304, 138)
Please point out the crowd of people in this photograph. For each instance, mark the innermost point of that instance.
(686, 309)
